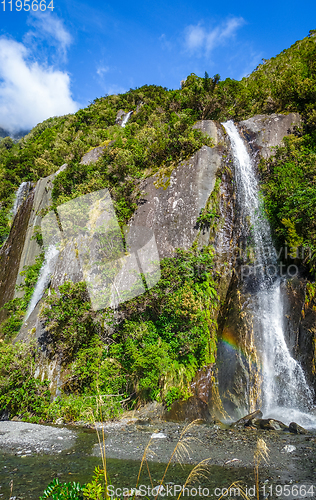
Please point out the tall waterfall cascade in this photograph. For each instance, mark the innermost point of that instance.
(285, 392)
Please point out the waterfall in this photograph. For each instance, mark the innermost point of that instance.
(285, 392)
(44, 278)
(20, 196)
(126, 118)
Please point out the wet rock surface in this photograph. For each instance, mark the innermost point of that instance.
(41, 200)
(247, 420)
(269, 424)
(238, 356)
(297, 429)
(300, 321)
(22, 438)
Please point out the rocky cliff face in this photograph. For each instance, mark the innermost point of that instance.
(11, 252)
(170, 208)
(300, 318)
(264, 132)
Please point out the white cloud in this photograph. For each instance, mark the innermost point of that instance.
(231, 26)
(195, 37)
(200, 40)
(50, 28)
(30, 92)
(101, 70)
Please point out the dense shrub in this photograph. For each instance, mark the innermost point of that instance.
(163, 336)
(289, 186)
(20, 392)
(70, 320)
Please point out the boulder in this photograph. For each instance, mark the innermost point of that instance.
(191, 409)
(4, 415)
(248, 419)
(289, 448)
(270, 424)
(297, 429)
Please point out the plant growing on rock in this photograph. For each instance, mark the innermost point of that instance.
(20, 392)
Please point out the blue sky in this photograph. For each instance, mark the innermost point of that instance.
(55, 62)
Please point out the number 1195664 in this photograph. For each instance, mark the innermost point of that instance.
(26, 5)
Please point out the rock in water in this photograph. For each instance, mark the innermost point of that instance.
(297, 429)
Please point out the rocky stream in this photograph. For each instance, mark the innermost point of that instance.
(32, 455)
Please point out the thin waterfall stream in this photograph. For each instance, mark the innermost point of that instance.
(126, 118)
(285, 392)
(45, 275)
(20, 196)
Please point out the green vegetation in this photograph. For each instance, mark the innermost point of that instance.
(281, 84)
(63, 491)
(154, 345)
(152, 353)
(209, 216)
(20, 392)
(70, 319)
(164, 335)
(17, 307)
(156, 137)
(289, 186)
(153, 140)
(159, 133)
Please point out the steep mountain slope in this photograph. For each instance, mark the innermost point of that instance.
(152, 347)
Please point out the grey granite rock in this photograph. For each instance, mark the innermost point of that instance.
(93, 155)
(267, 131)
(171, 211)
